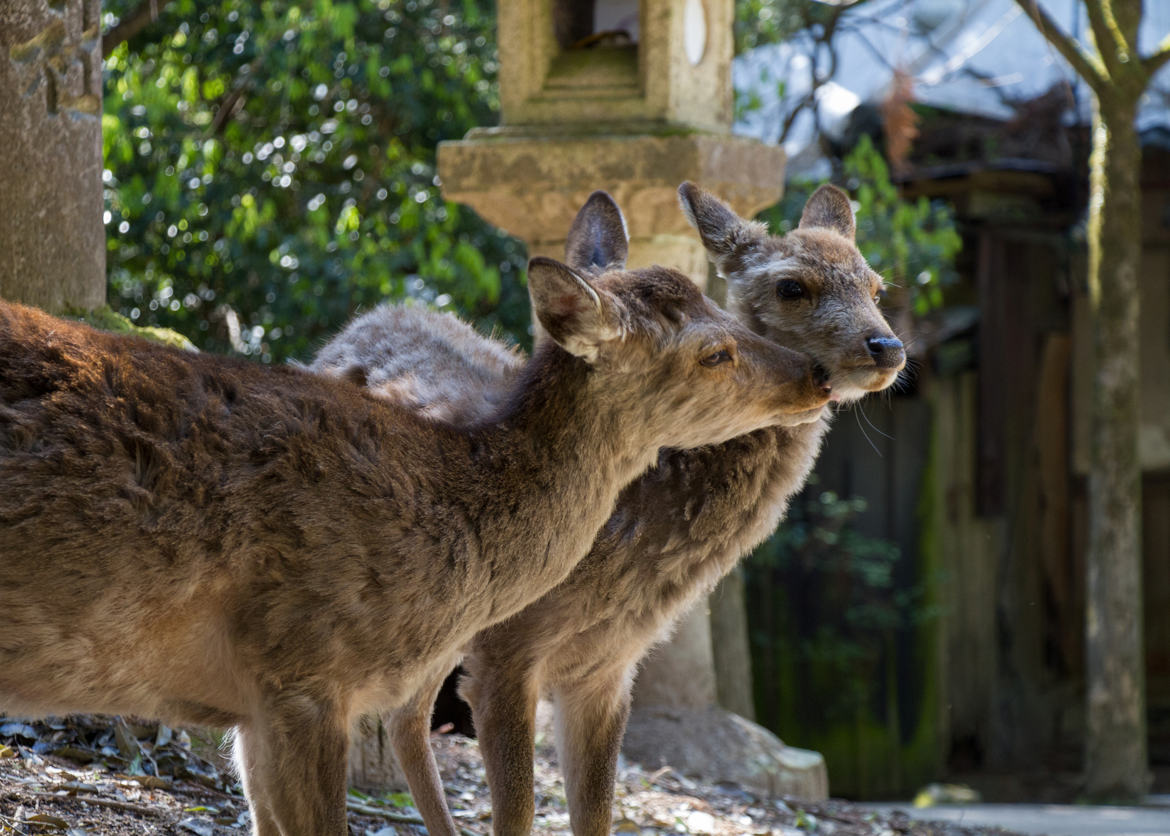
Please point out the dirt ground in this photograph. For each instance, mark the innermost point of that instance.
(84, 776)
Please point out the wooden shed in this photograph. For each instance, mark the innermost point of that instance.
(976, 471)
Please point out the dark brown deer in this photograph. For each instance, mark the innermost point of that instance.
(199, 539)
(674, 532)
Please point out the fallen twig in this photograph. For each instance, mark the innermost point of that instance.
(141, 809)
(390, 815)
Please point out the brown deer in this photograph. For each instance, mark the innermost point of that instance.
(674, 532)
(195, 538)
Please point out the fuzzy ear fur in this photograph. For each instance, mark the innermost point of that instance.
(829, 208)
(598, 239)
(570, 310)
(722, 231)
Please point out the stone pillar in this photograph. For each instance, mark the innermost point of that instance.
(52, 239)
(531, 186)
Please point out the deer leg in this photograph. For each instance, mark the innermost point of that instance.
(503, 708)
(245, 755)
(590, 722)
(293, 760)
(409, 727)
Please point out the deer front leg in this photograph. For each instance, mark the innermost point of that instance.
(409, 727)
(590, 722)
(503, 707)
(292, 757)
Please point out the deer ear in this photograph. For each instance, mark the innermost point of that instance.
(573, 313)
(722, 231)
(829, 208)
(598, 239)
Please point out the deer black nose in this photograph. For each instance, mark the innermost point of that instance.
(887, 352)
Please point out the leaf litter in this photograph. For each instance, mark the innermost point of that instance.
(94, 776)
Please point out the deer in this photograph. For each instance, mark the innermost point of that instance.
(203, 540)
(673, 533)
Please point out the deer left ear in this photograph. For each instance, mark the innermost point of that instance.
(577, 316)
(723, 232)
(829, 208)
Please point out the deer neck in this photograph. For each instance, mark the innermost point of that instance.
(552, 466)
(698, 512)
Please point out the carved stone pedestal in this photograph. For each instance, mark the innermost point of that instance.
(531, 183)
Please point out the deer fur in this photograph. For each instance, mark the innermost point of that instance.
(674, 532)
(203, 540)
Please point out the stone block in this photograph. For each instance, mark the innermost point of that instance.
(716, 746)
(532, 185)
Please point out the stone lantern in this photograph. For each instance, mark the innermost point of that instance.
(634, 97)
(630, 96)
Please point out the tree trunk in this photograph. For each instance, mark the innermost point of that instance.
(681, 672)
(729, 640)
(1116, 762)
(676, 722)
(52, 241)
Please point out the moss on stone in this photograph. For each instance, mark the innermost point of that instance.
(107, 319)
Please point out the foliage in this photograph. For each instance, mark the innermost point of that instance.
(270, 167)
(760, 22)
(913, 244)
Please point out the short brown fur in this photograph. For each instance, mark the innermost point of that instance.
(203, 540)
(674, 532)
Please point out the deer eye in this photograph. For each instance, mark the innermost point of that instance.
(789, 289)
(717, 358)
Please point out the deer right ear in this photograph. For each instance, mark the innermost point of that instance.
(829, 208)
(598, 239)
(722, 231)
(570, 310)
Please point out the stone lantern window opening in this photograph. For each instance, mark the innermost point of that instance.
(625, 65)
(595, 46)
(584, 24)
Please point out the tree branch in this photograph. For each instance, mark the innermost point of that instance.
(227, 108)
(1086, 65)
(1158, 60)
(143, 15)
(1107, 44)
(1125, 19)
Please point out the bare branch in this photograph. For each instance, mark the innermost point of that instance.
(143, 15)
(1107, 46)
(1087, 65)
(818, 79)
(232, 102)
(1124, 18)
(1116, 43)
(228, 107)
(1159, 58)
